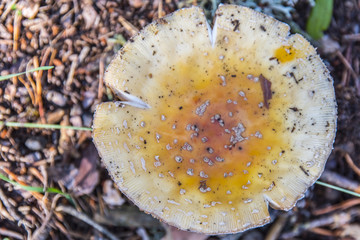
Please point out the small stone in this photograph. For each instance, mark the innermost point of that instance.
(55, 117)
(56, 98)
(76, 111)
(76, 121)
(64, 8)
(89, 97)
(83, 53)
(35, 143)
(30, 11)
(87, 120)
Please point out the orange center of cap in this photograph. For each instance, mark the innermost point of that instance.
(212, 134)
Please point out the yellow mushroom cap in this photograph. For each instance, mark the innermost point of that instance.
(216, 124)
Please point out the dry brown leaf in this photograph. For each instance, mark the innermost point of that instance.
(88, 175)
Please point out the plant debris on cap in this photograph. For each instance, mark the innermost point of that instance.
(216, 124)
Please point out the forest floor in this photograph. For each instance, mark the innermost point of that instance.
(79, 38)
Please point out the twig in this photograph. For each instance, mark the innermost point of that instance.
(52, 57)
(45, 177)
(323, 232)
(86, 219)
(20, 183)
(132, 30)
(58, 36)
(39, 91)
(101, 78)
(141, 232)
(7, 10)
(277, 226)
(349, 67)
(76, 7)
(28, 75)
(73, 66)
(8, 206)
(101, 202)
(6, 42)
(341, 206)
(344, 78)
(160, 9)
(43, 231)
(352, 164)
(4, 164)
(346, 63)
(17, 26)
(44, 59)
(36, 173)
(4, 213)
(8, 233)
(62, 228)
(31, 94)
(3, 156)
(35, 191)
(337, 218)
(352, 37)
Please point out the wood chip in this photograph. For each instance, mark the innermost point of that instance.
(266, 88)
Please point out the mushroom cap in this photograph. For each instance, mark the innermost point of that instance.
(216, 124)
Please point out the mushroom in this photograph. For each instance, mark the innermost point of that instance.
(216, 124)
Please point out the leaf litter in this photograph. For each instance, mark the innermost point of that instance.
(75, 37)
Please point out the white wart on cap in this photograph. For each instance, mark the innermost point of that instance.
(216, 124)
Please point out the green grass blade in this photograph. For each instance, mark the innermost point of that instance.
(338, 188)
(46, 126)
(36, 189)
(2, 78)
(320, 18)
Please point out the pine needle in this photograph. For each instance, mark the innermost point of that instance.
(6, 77)
(338, 189)
(46, 126)
(36, 189)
